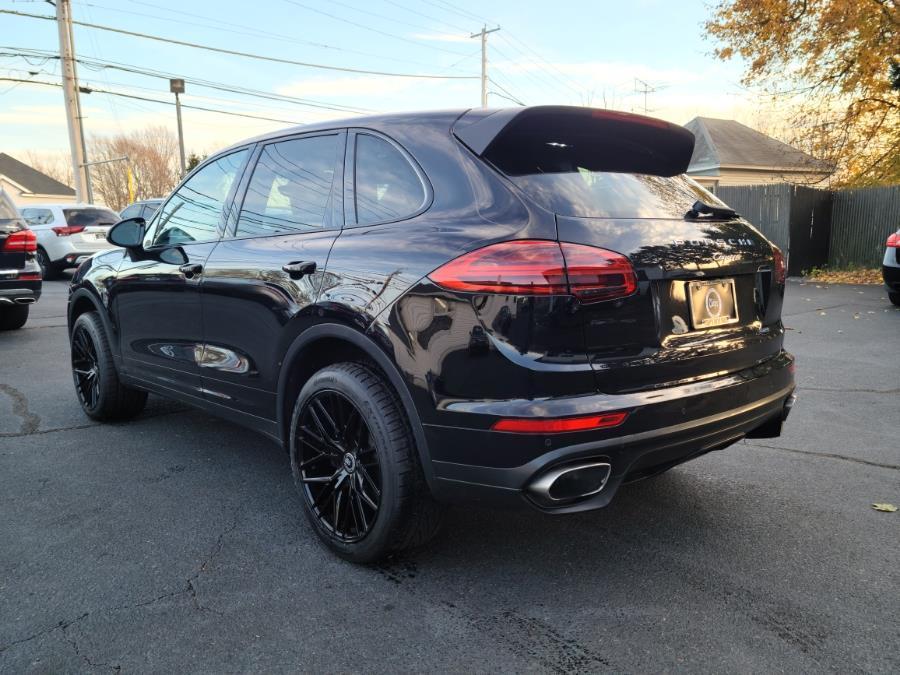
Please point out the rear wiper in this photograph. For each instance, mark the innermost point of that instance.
(702, 208)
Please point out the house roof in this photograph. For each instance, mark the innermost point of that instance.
(727, 143)
(31, 179)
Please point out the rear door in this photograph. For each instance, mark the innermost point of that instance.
(261, 282)
(706, 302)
(155, 296)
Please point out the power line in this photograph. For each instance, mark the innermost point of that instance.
(99, 64)
(88, 90)
(508, 95)
(373, 30)
(260, 57)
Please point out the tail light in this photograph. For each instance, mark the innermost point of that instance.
(539, 267)
(894, 240)
(779, 265)
(29, 276)
(23, 241)
(536, 425)
(66, 230)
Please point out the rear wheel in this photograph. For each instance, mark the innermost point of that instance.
(895, 298)
(100, 392)
(13, 317)
(49, 270)
(356, 468)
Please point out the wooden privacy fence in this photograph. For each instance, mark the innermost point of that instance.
(839, 228)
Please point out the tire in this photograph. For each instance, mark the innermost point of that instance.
(894, 297)
(101, 394)
(13, 318)
(345, 410)
(49, 271)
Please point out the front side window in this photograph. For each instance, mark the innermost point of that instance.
(194, 212)
(37, 216)
(387, 186)
(291, 187)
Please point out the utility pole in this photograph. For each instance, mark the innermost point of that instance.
(483, 33)
(80, 174)
(177, 87)
(645, 89)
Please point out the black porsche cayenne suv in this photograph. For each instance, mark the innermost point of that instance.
(526, 307)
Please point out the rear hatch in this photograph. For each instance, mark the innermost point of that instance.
(87, 226)
(17, 246)
(708, 301)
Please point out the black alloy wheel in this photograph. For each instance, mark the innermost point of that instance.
(339, 467)
(85, 368)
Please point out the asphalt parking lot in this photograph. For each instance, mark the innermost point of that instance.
(175, 543)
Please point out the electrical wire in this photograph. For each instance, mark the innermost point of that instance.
(232, 52)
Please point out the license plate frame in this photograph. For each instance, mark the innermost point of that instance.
(709, 300)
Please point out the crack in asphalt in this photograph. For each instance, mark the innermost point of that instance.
(30, 420)
(829, 455)
(837, 390)
(190, 589)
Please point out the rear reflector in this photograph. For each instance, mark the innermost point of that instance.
(23, 241)
(66, 230)
(779, 265)
(29, 276)
(538, 267)
(533, 425)
(894, 240)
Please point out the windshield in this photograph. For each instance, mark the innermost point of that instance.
(90, 216)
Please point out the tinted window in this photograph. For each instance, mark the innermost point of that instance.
(90, 217)
(150, 209)
(37, 216)
(387, 186)
(194, 212)
(132, 211)
(291, 187)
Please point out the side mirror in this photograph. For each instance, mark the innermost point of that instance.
(128, 234)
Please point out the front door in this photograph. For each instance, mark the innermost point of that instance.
(261, 282)
(155, 298)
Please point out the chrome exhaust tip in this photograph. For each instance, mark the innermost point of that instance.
(569, 482)
(24, 301)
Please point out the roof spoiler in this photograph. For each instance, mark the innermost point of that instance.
(522, 140)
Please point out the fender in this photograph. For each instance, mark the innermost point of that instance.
(357, 339)
(84, 292)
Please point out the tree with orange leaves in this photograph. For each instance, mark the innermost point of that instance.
(835, 67)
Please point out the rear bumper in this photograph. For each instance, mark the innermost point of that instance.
(664, 428)
(891, 273)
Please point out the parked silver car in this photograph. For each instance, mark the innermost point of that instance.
(67, 234)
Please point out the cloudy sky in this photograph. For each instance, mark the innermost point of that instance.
(569, 52)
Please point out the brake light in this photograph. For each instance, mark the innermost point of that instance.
(779, 265)
(66, 230)
(894, 240)
(596, 274)
(539, 267)
(23, 241)
(523, 267)
(531, 425)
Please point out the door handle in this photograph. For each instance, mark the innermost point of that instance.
(298, 270)
(190, 269)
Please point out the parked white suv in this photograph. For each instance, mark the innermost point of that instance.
(68, 233)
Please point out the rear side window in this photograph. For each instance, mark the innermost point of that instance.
(90, 217)
(387, 186)
(290, 190)
(132, 211)
(37, 216)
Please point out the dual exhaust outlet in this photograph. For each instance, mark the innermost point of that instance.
(570, 482)
(17, 301)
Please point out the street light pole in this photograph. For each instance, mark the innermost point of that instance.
(80, 176)
(177, 87)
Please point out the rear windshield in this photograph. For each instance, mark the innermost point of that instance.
(91, 216)
(602, 194)
(590, 166)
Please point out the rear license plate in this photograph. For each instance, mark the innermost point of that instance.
(712, 303)
(100, 236)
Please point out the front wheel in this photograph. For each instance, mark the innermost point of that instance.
(12, 318)
(101, 394)
(895, 298)
(355, 465)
